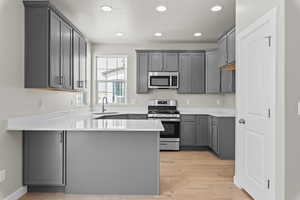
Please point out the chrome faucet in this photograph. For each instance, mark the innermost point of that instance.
(103, 108)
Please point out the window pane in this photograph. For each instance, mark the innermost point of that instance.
(112, 63)
(111, 79)
(101, 62)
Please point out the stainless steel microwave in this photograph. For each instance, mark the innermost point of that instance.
(163, 80)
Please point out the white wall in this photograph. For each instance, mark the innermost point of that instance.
(14, 99)
(292, 99)
(142, 99)
(247, 11)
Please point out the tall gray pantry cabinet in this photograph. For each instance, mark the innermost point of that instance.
(54, 58)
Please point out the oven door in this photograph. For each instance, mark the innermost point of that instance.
(172, 129)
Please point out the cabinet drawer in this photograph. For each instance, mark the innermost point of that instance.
(189, 118)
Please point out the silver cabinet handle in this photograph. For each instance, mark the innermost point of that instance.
(242, 121)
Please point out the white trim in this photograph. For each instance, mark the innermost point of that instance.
(271, 17)
(17, 194)
(236, 182)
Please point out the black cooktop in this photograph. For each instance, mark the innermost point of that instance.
(163, 112)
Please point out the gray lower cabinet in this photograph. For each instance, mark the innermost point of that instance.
(142, 73)
(222, 136)
(227, 81)
(194, 131)
(192, 73)
(48, 49)
(202, 130)
(44, 158)
(212, 72)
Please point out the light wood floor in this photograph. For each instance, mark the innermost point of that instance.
(185, 175)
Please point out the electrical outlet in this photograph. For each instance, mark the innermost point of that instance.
(2, 175)
(187, 101)
(218, 102)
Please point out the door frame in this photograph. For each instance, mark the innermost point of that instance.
(269, 17)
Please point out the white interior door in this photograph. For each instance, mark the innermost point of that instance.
(256, 100)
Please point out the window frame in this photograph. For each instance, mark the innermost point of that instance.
(97, 100)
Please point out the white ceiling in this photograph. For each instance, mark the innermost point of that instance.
(139, 20)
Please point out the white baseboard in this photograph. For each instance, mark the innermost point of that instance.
(17, 194)
(236, 182)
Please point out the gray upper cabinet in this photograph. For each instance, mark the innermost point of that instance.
(163, 62)
(212, 72)
(227, 81)
(48, 48)
(44, 158)
(56, 80)
(192, 73)
(171, 62)
(79, 61)
(142, 73)
(66, 55)
(222, 51)
(231, 46)
(156, 61)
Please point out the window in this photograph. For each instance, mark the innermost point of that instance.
(111, 80)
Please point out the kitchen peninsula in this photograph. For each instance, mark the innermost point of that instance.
(77, 153)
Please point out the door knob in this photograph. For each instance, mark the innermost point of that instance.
(242, 121)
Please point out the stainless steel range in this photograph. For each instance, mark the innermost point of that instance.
(166, 111)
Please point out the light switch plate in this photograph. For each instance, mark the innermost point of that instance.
(2, 175)
(298, 108)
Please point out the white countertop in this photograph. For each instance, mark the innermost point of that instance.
(80, 121)
(217, 112)
(85, 120)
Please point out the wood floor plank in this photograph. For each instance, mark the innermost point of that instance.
(185, 175)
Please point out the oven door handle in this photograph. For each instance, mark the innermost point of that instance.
(166, 120)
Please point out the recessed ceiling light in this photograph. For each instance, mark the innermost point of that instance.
(197, 34)
(119, 34)
(158, 34)
(161, 8)
(216, 8)
(106, 8)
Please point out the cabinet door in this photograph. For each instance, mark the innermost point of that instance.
(202, 131)
(227, 81)
(66, 55)
(197, 73)
(156, 62)
(185, 73)
(188, 134)
(142, 73)
(171, 62)
(82, 68)
(76, 63)
(215, 136)
(212, 72)
(44, 158)
(222, 51)
(231, 46)
(210, 131)
(55, 51)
